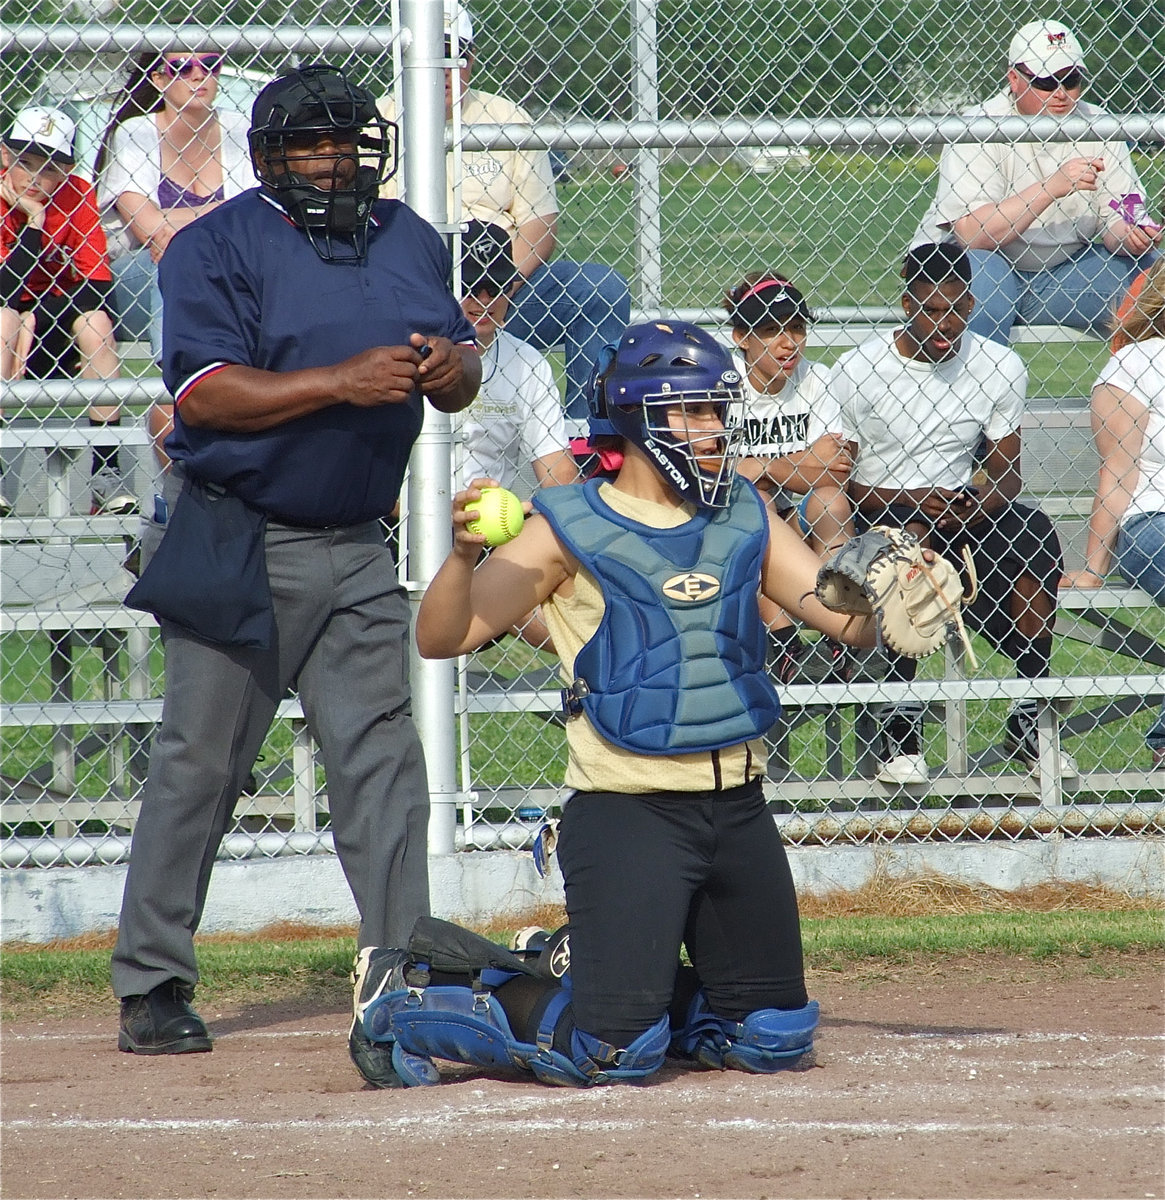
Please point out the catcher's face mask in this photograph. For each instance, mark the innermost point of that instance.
(323, 150)
(671, 389)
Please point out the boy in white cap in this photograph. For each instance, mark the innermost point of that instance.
(1053, 234)
(55, 281)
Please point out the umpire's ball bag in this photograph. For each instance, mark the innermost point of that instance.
(209, 573)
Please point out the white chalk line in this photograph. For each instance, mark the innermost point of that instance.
(470, 1123)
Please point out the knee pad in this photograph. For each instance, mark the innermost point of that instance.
(463, 1025)
(768, 1040)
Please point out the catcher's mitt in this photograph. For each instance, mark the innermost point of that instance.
(884, 572)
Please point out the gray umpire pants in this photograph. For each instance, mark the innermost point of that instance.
(343, 641)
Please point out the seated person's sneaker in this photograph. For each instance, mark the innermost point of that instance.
(901, 748)
(162, 1022)
(110, 495)
(1023, 744)
(792, 660)
(376, 971)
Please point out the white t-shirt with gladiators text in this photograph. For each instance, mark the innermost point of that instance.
(794, 418)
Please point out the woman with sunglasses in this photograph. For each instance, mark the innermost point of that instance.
(167, 157)
(1053, 231)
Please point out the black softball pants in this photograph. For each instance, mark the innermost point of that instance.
(647, 873)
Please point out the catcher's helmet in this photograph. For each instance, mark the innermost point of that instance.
(662, 365)
(296, 110)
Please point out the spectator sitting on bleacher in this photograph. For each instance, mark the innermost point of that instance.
(1128, 421)
(914, 405)
(1030, 212)
(56, 281)
(167, 157)
(580, 306)
(1120, 339)
(516, 419)
(793, 448)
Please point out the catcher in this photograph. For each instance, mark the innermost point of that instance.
(649, 584)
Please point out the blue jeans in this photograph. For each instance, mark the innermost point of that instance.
(1081, 293)
(1140, 558)
(138, 299)
(581, 306)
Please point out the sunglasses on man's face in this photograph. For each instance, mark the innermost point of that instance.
(1049, 83)
(183, 68)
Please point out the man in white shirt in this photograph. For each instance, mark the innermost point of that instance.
(582, 307)
(517, 417)
(1052, 233)
(914, 407)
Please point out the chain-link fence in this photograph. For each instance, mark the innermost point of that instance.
(641, 159)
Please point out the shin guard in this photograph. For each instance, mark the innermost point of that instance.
(770, 1039)
(463, 1025)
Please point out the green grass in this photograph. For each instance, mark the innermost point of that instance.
(1022, 934)
(312, 969)
(839, 228)
(256, 971)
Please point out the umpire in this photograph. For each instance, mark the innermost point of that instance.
(304, 321)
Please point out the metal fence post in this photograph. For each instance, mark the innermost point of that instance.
(648, 191)
(429, 478)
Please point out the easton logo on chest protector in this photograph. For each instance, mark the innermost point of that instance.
(691, 587)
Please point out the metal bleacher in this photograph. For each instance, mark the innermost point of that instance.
(62, 577)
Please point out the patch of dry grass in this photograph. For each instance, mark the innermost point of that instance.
(932, 894)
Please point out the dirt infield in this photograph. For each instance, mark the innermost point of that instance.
(984, 1078)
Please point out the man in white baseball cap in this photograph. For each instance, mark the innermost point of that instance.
(458, 23)
(1056, 231)
(1045, 48)
(580, 306)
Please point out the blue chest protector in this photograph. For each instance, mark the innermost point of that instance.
(677, 664)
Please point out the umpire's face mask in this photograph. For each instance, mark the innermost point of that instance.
(320, 181)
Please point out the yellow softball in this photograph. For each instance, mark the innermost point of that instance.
(499, 516)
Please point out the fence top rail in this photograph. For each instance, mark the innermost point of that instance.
(829, 132)
(128, 38)
(132, 39)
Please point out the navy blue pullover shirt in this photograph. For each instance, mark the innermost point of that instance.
(243, 286)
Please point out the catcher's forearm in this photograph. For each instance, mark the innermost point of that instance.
(861, 632)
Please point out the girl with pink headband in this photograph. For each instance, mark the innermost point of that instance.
(794, 450)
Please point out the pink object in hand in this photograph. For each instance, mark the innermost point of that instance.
(1131, 208)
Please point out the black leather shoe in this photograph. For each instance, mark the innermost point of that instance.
(162, 1022)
